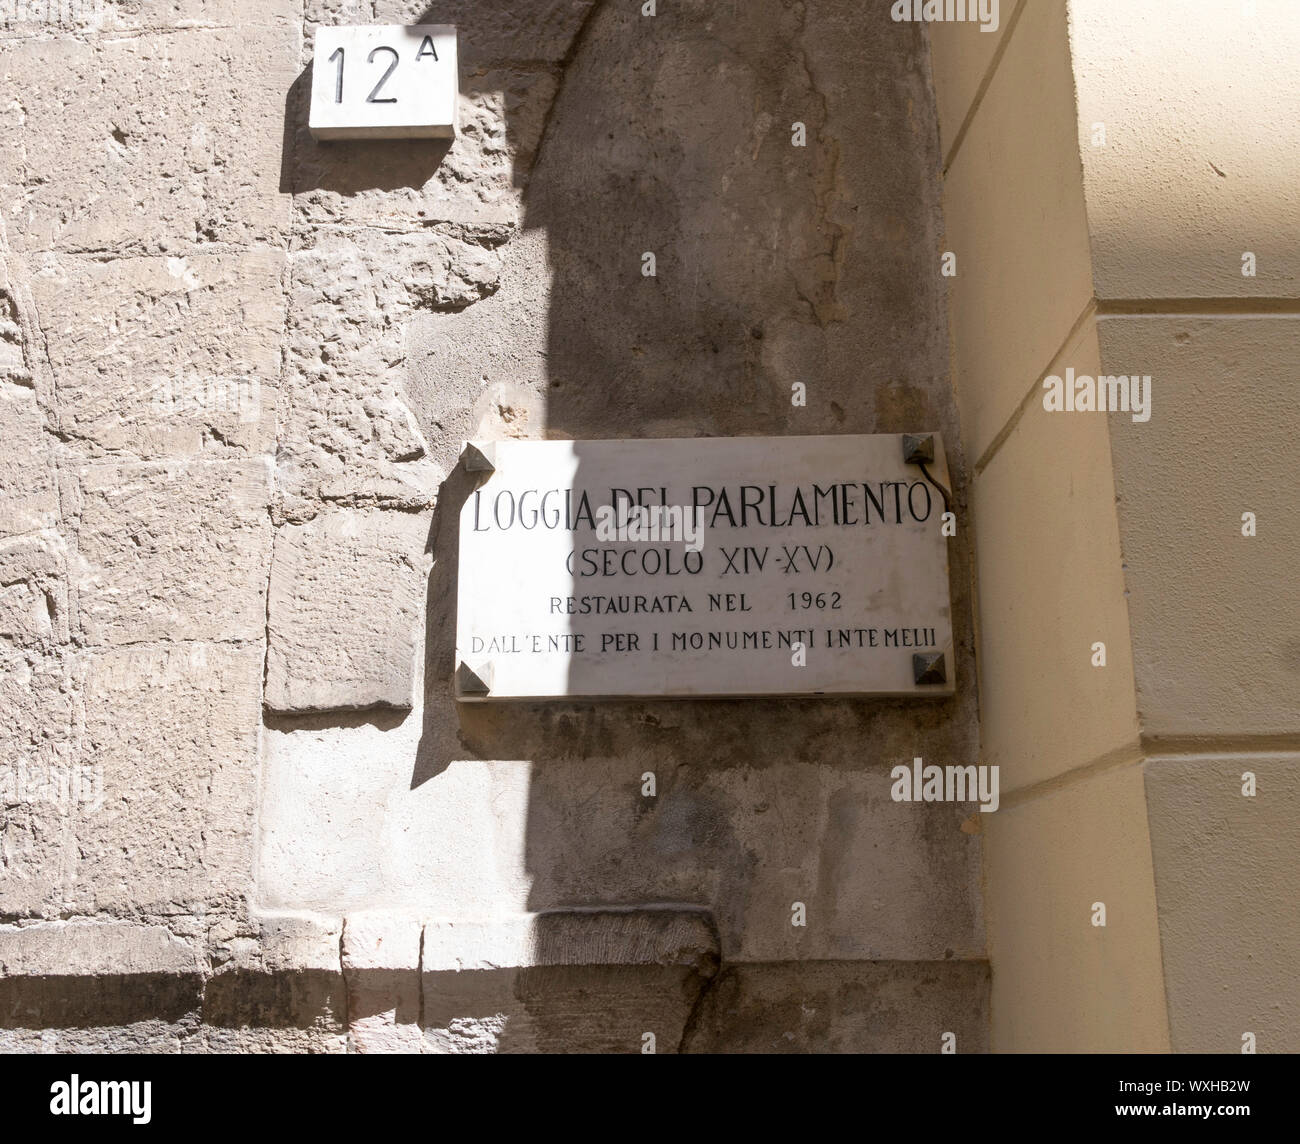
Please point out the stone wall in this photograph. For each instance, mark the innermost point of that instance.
(238, 366)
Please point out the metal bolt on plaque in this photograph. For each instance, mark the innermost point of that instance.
(479, 458)
(471, 681)
(929, 667)
(918, 449)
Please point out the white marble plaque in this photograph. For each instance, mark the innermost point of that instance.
(799, 566)
(386, 81)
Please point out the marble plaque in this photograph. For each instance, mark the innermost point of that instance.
(384, 81)
(801, 566)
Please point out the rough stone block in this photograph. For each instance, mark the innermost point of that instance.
(879, 879)
(93, 949)
(39, 703)
(175, 730)
(291, 1011)
(34, 591)
(282, 992)
(33, 847)
(511, 56)
(12, 364)
(626, 935)
(582, 980)
(146, 142)
(381, 963)
(492, 30)
(843, 1007)
(347, 435)
(350, 287)
(163, 1035)
(92, 986)
(300, 942)
(173, 551)
(28, 495)
(41, 711)
(560, 1009)
(333, 644)
(117, 16)
(380, 941)
(164, 356)
(49, 19)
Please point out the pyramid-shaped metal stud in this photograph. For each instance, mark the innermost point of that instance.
(479, 458)
(471, 681)
(918, 449)
(929, 667)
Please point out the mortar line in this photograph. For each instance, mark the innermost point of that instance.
(1191, 307)
(978, 98)
(1211, 746)
(1118, 758)
(1089, 310)
(281, 393)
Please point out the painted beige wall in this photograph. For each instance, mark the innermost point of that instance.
(1123, 256)
(1199, 169)
(1199, 162)
(1061, 983)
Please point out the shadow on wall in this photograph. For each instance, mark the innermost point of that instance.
(774, 264)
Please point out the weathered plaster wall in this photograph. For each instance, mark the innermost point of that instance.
(247, 615)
